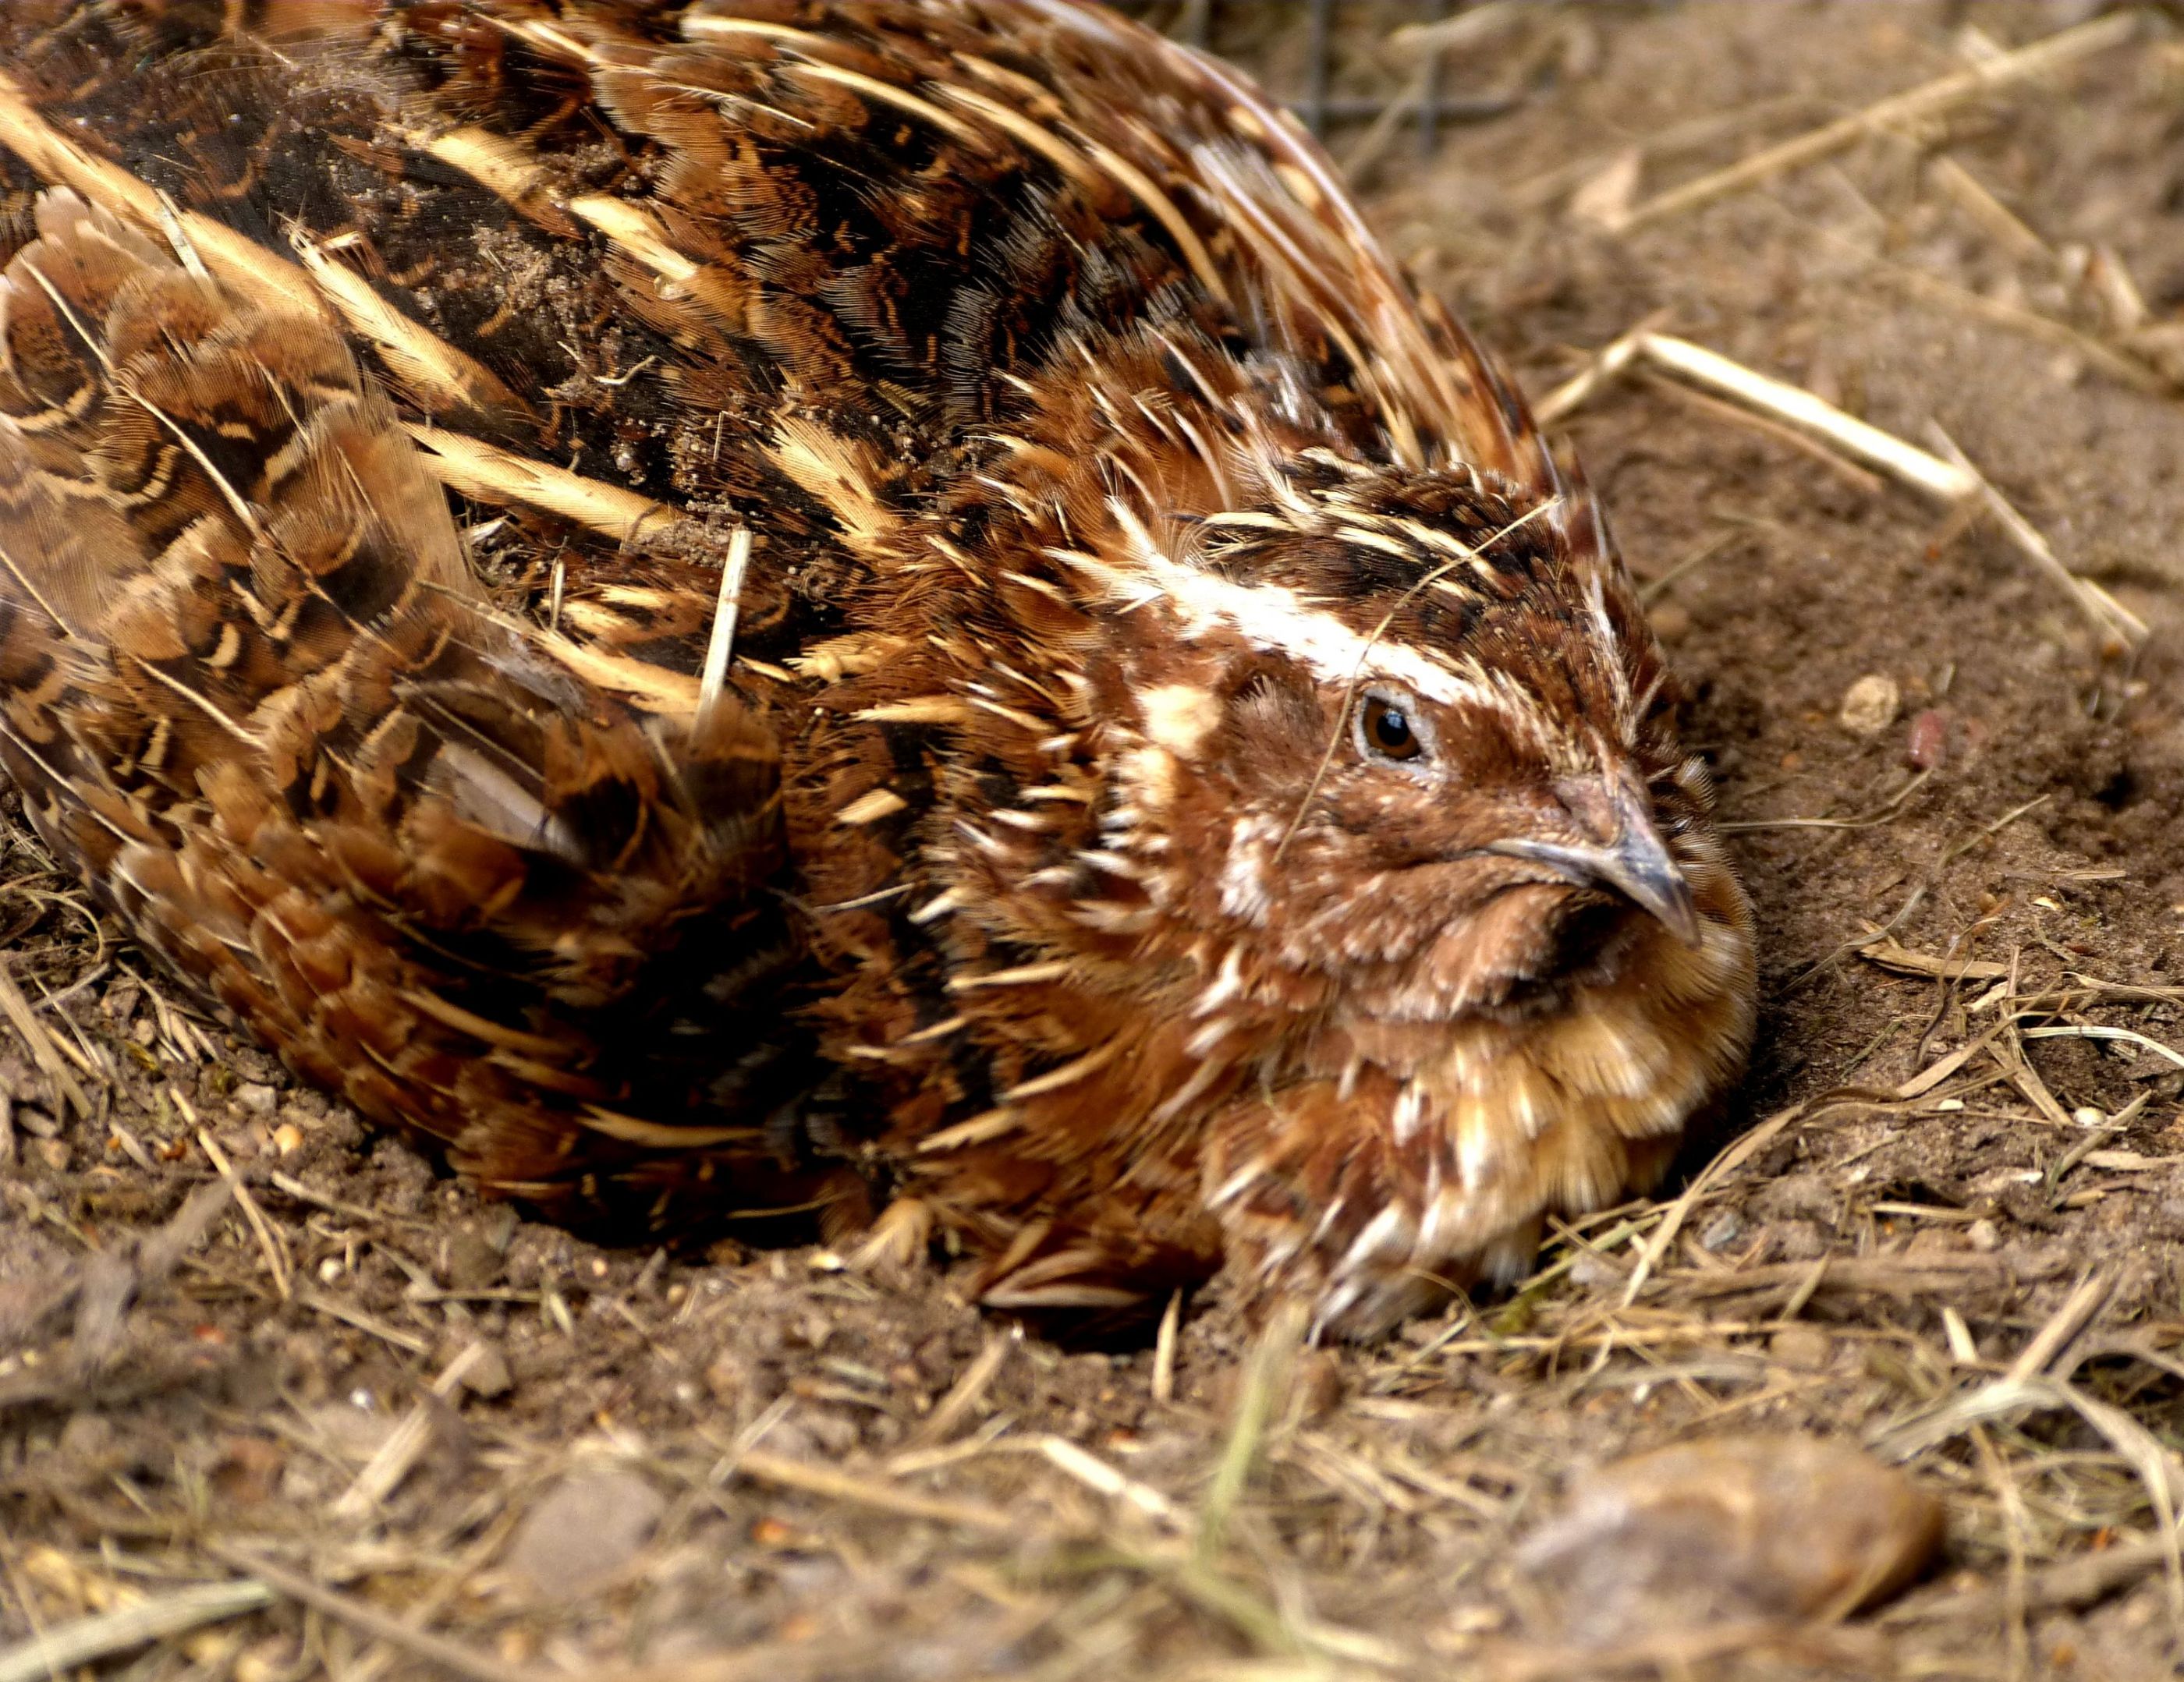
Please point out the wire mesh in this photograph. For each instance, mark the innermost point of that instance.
(1330, 60)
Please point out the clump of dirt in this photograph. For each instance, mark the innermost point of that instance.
(243, 1343)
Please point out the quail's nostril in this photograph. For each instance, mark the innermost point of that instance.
(1598, 807)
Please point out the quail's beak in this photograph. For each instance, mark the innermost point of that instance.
(1633, 860)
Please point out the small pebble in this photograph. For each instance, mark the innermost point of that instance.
(256, 1097)
(488, 1376)
(1595, 1273)
(589, 1527)
(1672, 622)
(1870, 705)
(1730, 1529)
(1802, 1348)
(472, 1264)
(728, 1376)
(1926, 743)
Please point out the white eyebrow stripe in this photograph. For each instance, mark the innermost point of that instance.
(1277, 619)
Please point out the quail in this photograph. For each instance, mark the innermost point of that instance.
(864, 610)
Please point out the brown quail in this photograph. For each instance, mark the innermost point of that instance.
(751, 607)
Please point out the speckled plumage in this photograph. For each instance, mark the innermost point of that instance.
(1189, 779)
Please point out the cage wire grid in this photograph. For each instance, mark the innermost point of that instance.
(1418, 101)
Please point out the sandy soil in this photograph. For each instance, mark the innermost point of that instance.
(448, 1440)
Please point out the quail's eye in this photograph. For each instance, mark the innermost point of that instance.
(1388, 730)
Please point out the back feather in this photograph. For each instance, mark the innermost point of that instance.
(255, 693)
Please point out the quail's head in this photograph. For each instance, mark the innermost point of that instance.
(1432, 881)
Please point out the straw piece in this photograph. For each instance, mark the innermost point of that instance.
(86, 1641)
(2108, 615)
(40, 1044)
(1906, 463)
(785, 1473)
(2050, 53)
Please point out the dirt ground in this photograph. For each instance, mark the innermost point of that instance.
(403, 1433)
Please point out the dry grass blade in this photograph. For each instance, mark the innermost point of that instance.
(2041, 57)
(1264, 1382)
(335, 1308)
(1880, 815)
(871, 1492)
(954, 1409)
(2118, 365)
(383, 1475)
(2013, 1397)
(1609, 365)
(1976, 198)
(2094, 1030)
(1171, 1322)
(1094, 1473)
(719, 645)
(268, 1241)
(2078, 1309)
(1421, 46)
(39, 1044)
(419, 1644)
(1728, 1162)
(107, 1634)
(2108, 615)
(2068, 1583)
(1888, 955)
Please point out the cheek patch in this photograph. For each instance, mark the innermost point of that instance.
(1179, 717)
